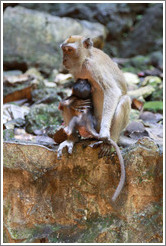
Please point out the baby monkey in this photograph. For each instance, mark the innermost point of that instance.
(79, 118)
(78, 111)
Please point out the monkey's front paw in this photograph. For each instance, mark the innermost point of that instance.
(66, 143)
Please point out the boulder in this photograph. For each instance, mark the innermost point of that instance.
(69, 200)
(141, 92)
(146, 36)
(33, 38)
(117, 17)
(18, 87)
(42, 116)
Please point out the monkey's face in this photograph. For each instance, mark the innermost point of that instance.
(70, 55)
(75, 49)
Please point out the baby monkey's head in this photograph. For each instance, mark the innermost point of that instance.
(82, 89)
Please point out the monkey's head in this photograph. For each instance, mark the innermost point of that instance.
(75, 50)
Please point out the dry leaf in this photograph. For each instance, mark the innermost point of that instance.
(136, 104)
(60, 135)
(19, 94)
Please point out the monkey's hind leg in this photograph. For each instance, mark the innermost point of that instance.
(119, 122)
(121, 117)
(71, 126)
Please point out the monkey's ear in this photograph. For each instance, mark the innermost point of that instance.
(88, 43)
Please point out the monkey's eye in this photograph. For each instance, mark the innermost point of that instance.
(68, 49)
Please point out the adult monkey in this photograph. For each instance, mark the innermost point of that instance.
(111, 103)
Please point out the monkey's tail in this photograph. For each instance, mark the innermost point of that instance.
(122, 166)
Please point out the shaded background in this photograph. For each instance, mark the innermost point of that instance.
(131, 29)
(130, 33)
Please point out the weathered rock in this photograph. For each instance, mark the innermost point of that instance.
(11, 111)
(8, 134)
(115, 16)
(151, 80)
(119, 18)
(11, 73)
(157, 59)
(90, 11)
(141, 92)
(134, 115)
(33, 37)
(41, 116)
(147, 34)
(68, 200)
(157, 84)
(61, 78)
(14, 116)
(131, 78)
(47, 94)
(17, 87)
(141, 62)
(150, 117)
(144, 63)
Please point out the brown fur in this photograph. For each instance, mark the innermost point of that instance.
(111, 104)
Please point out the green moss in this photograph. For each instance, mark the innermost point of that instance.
(42, 116)
(140, 62)
(5, 237)
(21, 233)
(139, 17)
(8, 134)
(43, 231)
(154, 106)
(157, 94)
(130, 69)
(96, 227)
(42, 93)
(6, 208)
(137, 64)
(76, 194)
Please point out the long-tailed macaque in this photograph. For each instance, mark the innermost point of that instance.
(111, 103)
(78, 115)
(109, 92)
(78, 111)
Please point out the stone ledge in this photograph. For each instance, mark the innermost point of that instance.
(40, 190)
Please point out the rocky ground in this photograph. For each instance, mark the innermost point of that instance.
(68, 200)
